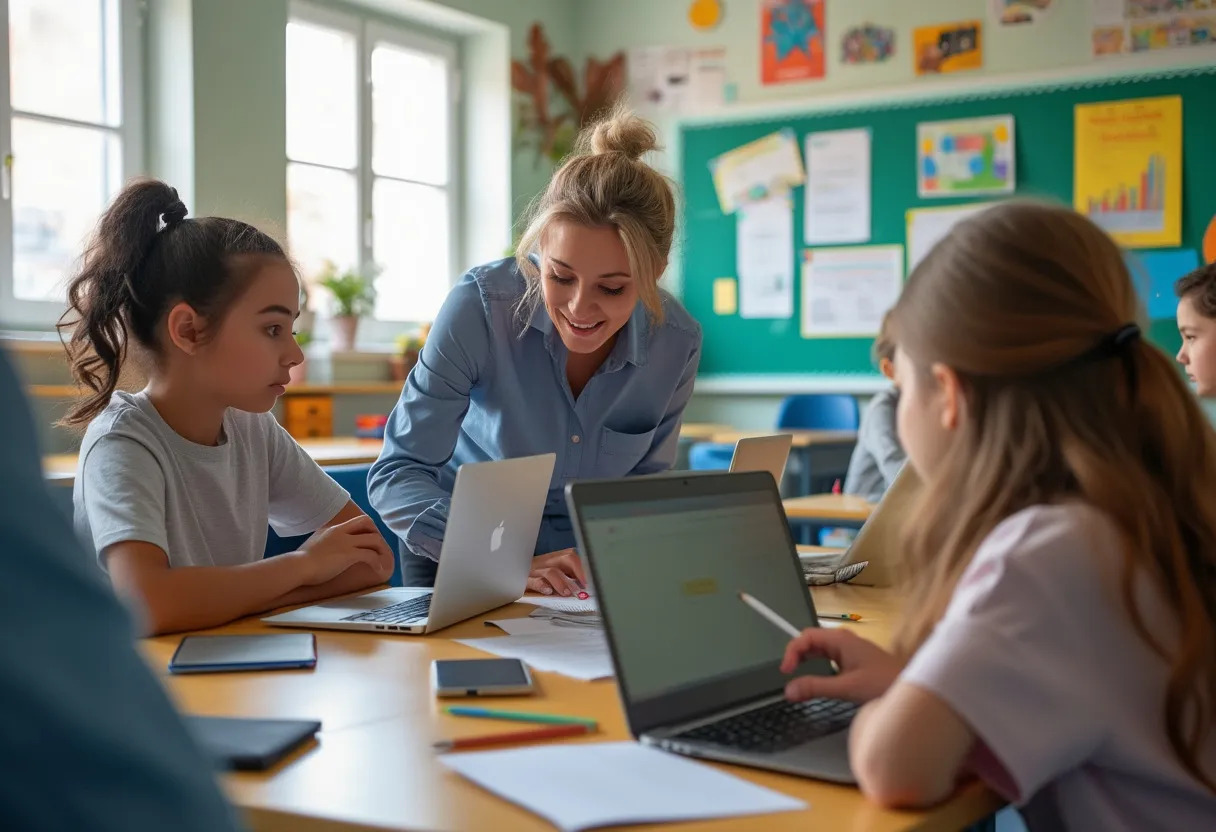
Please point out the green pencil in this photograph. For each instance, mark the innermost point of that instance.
(519, 716)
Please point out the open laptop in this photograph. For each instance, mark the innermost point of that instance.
(698, 670)
(762, 453)
(485, 560)
(878, 542)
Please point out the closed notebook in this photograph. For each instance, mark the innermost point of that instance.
(249, 744)
(219, 654)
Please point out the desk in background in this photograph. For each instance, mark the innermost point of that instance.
(374, 769)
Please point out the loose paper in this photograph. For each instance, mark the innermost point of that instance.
(758, 170)
(593, 785)
(926, 226)
(846, 291)
(966, 157)
(1127, 169)
(837, 187)
(765, 259)
(578, 652)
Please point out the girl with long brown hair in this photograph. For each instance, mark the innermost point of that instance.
(1059, 639)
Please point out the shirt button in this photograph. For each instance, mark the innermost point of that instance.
(576, 439)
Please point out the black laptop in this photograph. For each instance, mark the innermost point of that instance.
(697, 669)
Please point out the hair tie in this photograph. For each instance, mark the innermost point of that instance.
(1118, 344)
(175, 213)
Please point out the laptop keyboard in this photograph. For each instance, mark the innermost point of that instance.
(405, 612)
(776, 727)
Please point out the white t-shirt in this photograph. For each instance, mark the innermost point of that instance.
(138, 479)
(1037, 653)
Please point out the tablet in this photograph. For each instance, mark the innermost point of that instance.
(220, 654)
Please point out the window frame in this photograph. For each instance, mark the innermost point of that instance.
(368, 32)
(132, 15)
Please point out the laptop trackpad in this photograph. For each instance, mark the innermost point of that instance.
(825, 757)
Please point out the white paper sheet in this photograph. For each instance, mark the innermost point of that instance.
(590, 785)
(677, 79)
(763, 169)
(928, 225)
(846, 291)
(579, 652)
(764, 258)
(556, 602)
(837, 208)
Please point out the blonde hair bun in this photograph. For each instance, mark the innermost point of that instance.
(620, 131)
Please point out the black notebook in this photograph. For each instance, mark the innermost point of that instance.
(250, 744)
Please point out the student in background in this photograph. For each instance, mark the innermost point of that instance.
(878, 456)
(176, 484)
(1197, 324)
(569, 348)
(1063, 643)
(89, 735)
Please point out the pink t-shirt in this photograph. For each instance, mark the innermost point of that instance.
(1037, 653)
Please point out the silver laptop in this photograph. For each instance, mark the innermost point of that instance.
(698, 671)
(762, 453)
(878, 542)
(484, 562)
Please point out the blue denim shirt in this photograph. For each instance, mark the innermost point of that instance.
(490, 385)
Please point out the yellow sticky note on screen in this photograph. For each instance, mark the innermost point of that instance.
(726, 296)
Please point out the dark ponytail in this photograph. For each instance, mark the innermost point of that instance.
(144, 257)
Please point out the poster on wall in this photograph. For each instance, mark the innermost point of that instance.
(846, 291)
(792, 40)
(837, 197)
(676, 79)
(1020, 12)
(948, 47)
(966, 157)
(1149, 25)
(757, 170)
(867, 44)
(764, 258)
(1127, 174)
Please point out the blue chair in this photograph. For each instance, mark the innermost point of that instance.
(710, 456)
(819, 411)
(354, 479)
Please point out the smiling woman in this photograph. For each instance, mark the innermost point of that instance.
(572, 348)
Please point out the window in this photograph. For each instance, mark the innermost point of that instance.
(370, 166)
(69, 90)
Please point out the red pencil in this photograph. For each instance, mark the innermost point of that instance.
(515, 736)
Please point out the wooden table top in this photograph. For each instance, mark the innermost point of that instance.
(800, 438)
(829, 507)
(373, 767)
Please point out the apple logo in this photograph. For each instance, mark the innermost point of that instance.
(496, 537)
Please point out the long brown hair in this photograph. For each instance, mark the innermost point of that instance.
(1022, 302)
(144, 257)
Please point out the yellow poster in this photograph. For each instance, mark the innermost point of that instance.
(948, 47)
(1127, 169)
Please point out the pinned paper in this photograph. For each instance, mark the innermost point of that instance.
(726, 296)
(757, 170)
(949, 47)
(1155, 272)
(965, 157)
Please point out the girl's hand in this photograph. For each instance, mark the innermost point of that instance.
(557, 573)
(866, 670)
(333, 550)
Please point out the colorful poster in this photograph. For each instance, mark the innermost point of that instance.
(1019, 12)
(1128, 169)
(967, 157)
(1149, 25)
(948, 47)
(792, 40)
(867, 44)
(757, 170)
(846, 291)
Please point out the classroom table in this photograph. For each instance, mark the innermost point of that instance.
(373, 767)
(829, 509)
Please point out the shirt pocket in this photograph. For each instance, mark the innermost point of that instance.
(629, 448)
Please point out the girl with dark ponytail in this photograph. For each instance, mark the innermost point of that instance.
(176, 483)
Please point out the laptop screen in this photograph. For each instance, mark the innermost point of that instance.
(668, 569)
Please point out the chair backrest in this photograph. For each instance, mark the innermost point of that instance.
(819, 411)
(354, 479)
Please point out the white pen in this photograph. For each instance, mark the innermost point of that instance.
(776, 620)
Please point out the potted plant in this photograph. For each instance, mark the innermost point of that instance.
(354, 294)
(408, 347)
(299, 373)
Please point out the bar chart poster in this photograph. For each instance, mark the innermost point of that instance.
(1128, 169)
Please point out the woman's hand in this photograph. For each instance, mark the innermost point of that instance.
(866, 670)
(558, 573)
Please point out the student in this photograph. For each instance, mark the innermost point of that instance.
(878, 455)
(176, 483)
(570, 348)
(90, 737)
(1197, 324)
(1063, 643)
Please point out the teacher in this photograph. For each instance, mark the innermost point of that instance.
(571, 348)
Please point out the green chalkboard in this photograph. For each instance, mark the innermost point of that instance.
(1044, 123)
